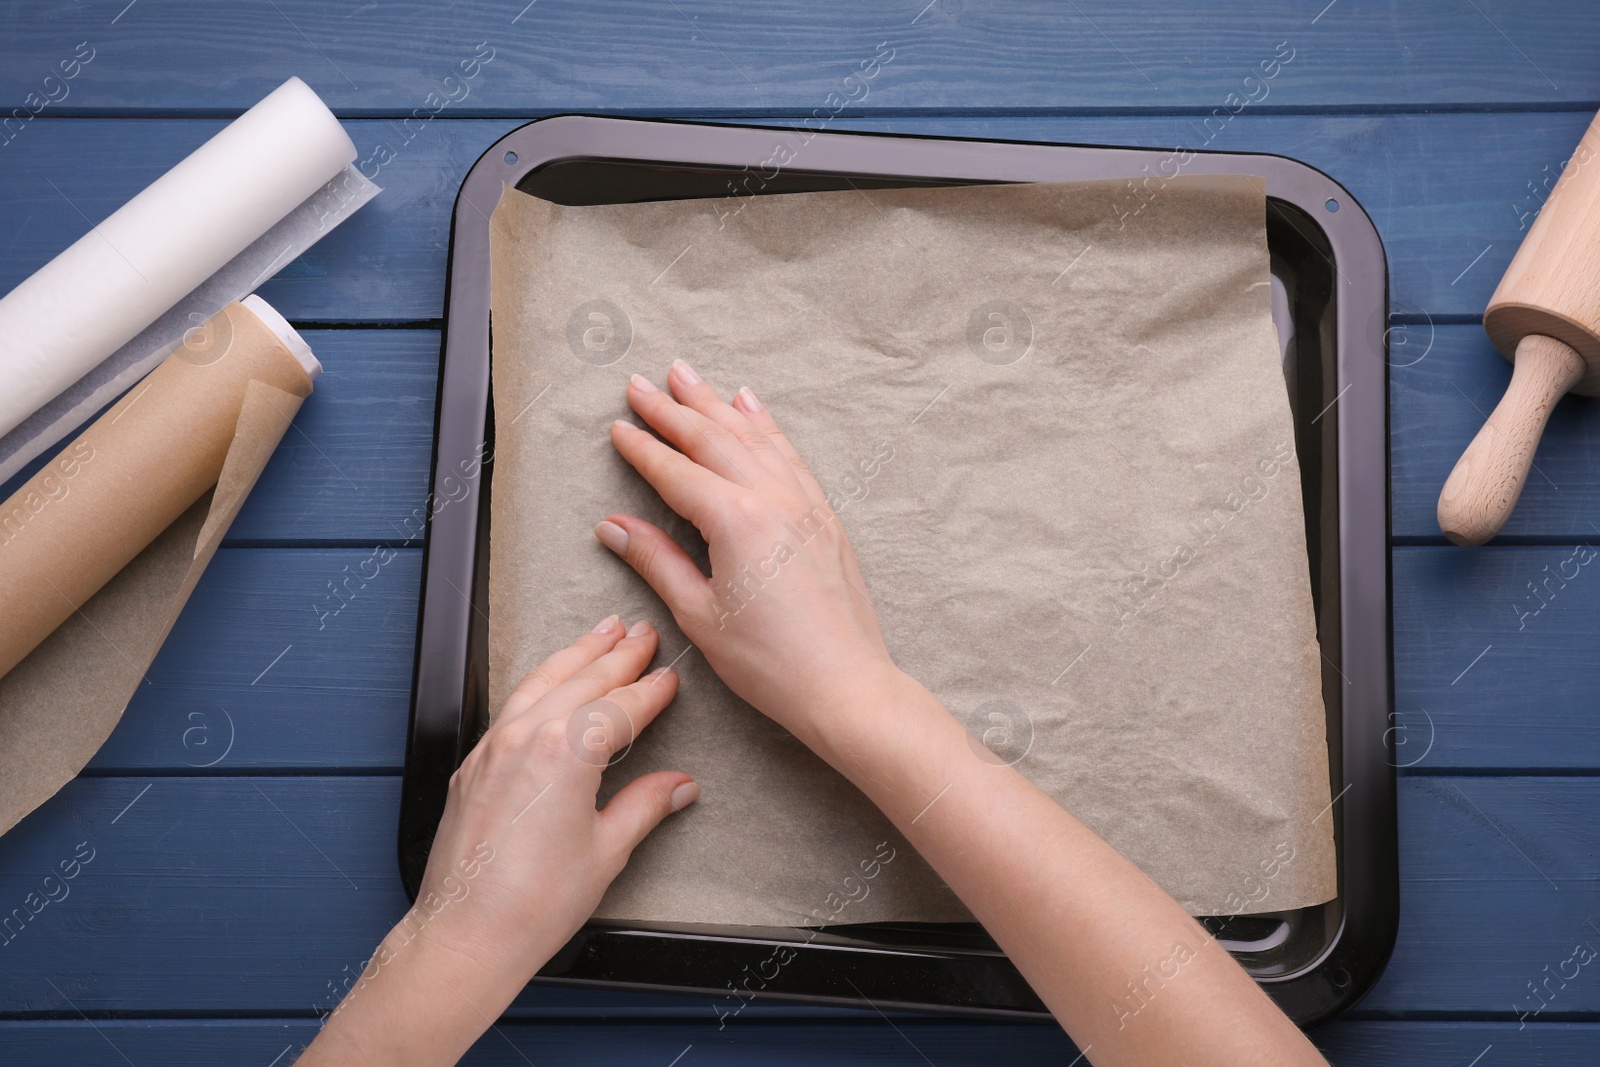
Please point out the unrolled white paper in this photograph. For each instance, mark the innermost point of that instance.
(102, 313)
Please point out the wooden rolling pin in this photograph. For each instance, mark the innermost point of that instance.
(1545, 318)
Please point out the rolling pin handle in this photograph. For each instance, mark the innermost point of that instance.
(1479, 494)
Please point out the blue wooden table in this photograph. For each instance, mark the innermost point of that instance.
(242, 818)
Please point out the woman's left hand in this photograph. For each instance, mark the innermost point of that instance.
(526, 793)
(522, 855)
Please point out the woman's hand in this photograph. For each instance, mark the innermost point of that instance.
(786, 622)
(785, 619)
(527, 792)
(521, 858)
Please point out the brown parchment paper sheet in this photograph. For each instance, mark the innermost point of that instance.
(110, 538)
(1059, 438)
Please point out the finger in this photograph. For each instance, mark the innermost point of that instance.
(699, 395)
(609, 725)
(762, 419)
(622, 665)
(701, 439)
(639, 807)
(688, 488)
(659, 560)
(563, 665)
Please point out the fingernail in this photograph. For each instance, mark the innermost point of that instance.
(659, 673)
(686, 373)
(605, 624)
(644, 385)
(613, 537)
(684, 795)
(639, 629)
(749, 399)
(623, 424)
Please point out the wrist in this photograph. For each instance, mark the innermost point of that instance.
(422, 998)
(884, 721)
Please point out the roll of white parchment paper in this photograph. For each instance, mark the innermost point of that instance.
(118, 301)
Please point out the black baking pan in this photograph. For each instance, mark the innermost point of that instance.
(1330, 304)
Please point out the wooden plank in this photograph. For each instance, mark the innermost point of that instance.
(183, 1042)
(387, 263)
(723, 56)
(1490, 673)
(1497, 892)
(513, 1044)
(355, 466)
(250, 895)
(266, 668)
(1463, 667)
(1457, 1044)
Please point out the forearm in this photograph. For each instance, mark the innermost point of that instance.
(421, 1001)
(1130, 975)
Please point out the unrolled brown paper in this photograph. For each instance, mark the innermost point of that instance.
(100, 550)
(1058, 435)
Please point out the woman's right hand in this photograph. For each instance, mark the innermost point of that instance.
(785, 619)
(786, 622)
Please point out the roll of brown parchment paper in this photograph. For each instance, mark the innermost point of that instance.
(87, 514)
(100, 550)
